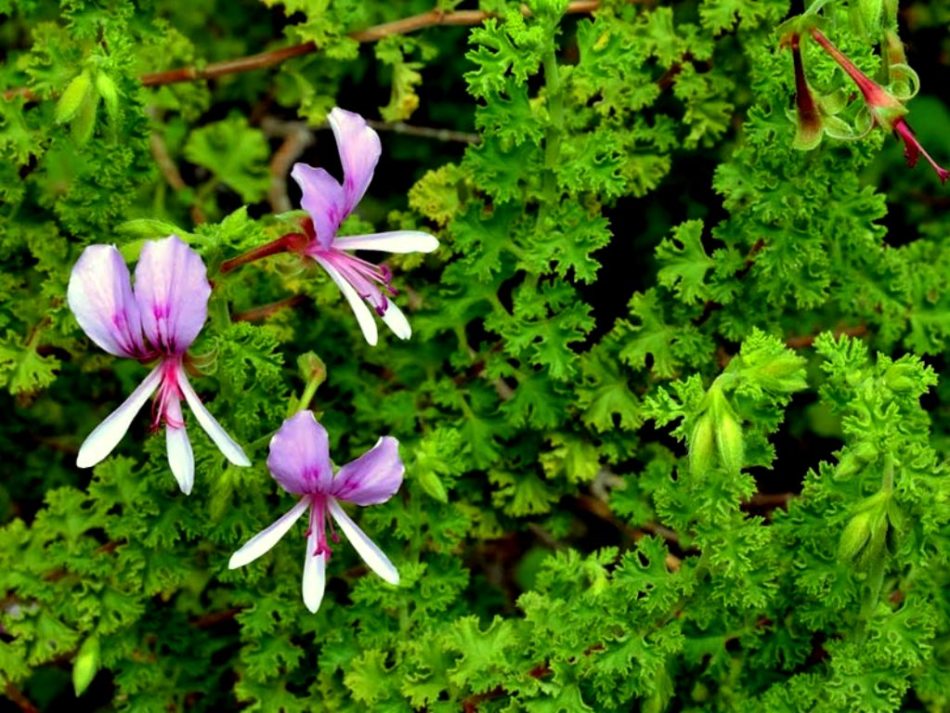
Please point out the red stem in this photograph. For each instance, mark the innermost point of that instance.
(874, 94)
(291, 242)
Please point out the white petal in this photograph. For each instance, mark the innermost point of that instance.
(107, 434)
(396, 241)
(180, 457)
(231, 450)
(396, 321)
(314, 575)
(371, 554)
(268, 537)
(362, 312)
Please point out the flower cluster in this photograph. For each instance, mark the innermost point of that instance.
(885, 108)
(158, 319)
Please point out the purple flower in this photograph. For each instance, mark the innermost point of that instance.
(329, 203)
(299, 460)
(159, 319)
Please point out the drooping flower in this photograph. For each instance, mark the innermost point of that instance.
(299, 460)
(328, 203)
(157, 320)
(886, 109)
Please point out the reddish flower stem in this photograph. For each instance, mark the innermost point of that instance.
(874, 94)
(291, 242)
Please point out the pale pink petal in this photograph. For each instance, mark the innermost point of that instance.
(172, 290)
(359, 149)
(299, 457)
(264, 540)
(367, 549)
(107, 434)
(322, 199)
(373, 477)
(396, 321)
(314, 575)
(394, 241)
(181, 459)
(231, 450)
(362, 312)
(100, 295)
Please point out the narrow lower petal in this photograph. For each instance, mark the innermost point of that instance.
(172, 290)
(373, 477)
(264, 540)
(231, 450)
(107, 434)
(322, 198)
(396, 321)
(181, 459)
(299, 455)
(100, 296)
(371, 554)
(359, 148)
(395, 241)
(314, 575)
(362, 312)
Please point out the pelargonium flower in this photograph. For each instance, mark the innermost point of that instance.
(328, 203)
(299, 460)
(158, 319)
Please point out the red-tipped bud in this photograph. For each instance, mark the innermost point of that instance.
(808, 134)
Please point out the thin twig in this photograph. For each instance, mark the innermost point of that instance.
(262, 60)
(295, 143)
(808, 340)
(426, 132)
(21, 701)
(257, 314)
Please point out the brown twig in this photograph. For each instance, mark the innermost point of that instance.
(808, 340)
(600, 509)
(262, 60)
(296, 140)
(257, 314)
(426, 132)
(21, 701)
(169, 169)
(404, 26)
(769, 500)
(206, 621)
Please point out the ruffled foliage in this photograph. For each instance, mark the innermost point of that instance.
(670, 415)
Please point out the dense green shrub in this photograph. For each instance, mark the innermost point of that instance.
(670, 415)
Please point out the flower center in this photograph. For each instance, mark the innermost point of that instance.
(166, 408)
(318, 525)
(366, 278)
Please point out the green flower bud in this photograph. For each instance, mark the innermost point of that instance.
(432, 485)
(865, 535)
(312, 368)
(109, 93)
(72, 97)
(855, 536)
(729, 441)
(900, 377)
(84, 123)
(86, 664)
(701, 446)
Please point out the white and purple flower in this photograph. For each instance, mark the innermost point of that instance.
(158, 319)
(328, 204)
(299, 460)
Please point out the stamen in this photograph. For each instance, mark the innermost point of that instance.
(364, 276)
